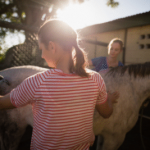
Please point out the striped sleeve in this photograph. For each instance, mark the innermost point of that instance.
(102, 97)
(24, 93)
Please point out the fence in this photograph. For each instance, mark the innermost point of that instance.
(27, 53)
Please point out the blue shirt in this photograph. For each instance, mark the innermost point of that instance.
(100, 63)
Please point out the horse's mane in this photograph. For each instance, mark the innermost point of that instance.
(141, 69)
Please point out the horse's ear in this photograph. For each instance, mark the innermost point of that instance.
(4, 80)
(1, 77)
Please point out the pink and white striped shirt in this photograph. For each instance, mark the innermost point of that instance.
(63, 107)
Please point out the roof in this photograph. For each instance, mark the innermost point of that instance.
(123, 23)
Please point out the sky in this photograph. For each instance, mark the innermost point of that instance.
(96, 11)
(92, 12)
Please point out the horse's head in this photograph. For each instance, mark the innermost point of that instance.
(4, 86)
(12, 77)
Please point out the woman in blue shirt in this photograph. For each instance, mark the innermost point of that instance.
(115, 47)
(100, 64)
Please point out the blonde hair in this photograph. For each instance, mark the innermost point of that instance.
(116, 40)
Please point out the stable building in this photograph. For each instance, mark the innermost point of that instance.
(133, 30)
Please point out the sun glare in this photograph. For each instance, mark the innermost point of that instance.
(76, 15)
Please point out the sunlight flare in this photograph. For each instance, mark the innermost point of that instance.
(76, 15)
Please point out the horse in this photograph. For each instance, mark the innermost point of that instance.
(131, 81)
(13, 122)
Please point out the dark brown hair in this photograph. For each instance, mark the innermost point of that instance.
(60, 32)
(116, 40)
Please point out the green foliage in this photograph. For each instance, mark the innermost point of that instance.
(2, 32)
(2, 57)
(112, 3)
(2, 53)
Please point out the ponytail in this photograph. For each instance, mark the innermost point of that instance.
(79, 62)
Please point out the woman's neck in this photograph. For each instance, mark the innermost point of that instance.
(64, 64)
(112, 59)
(112, 62)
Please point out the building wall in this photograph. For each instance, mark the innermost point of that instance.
(137, 50)
(137, 44)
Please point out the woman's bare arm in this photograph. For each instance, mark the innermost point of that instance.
(5, 102)
(106, 109)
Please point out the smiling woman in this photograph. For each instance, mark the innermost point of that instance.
(100, 64)
(77, 15)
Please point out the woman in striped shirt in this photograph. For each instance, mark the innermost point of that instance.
(63, 99)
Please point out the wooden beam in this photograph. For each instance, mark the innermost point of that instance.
(95, 42)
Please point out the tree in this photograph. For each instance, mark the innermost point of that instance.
(31, 13)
